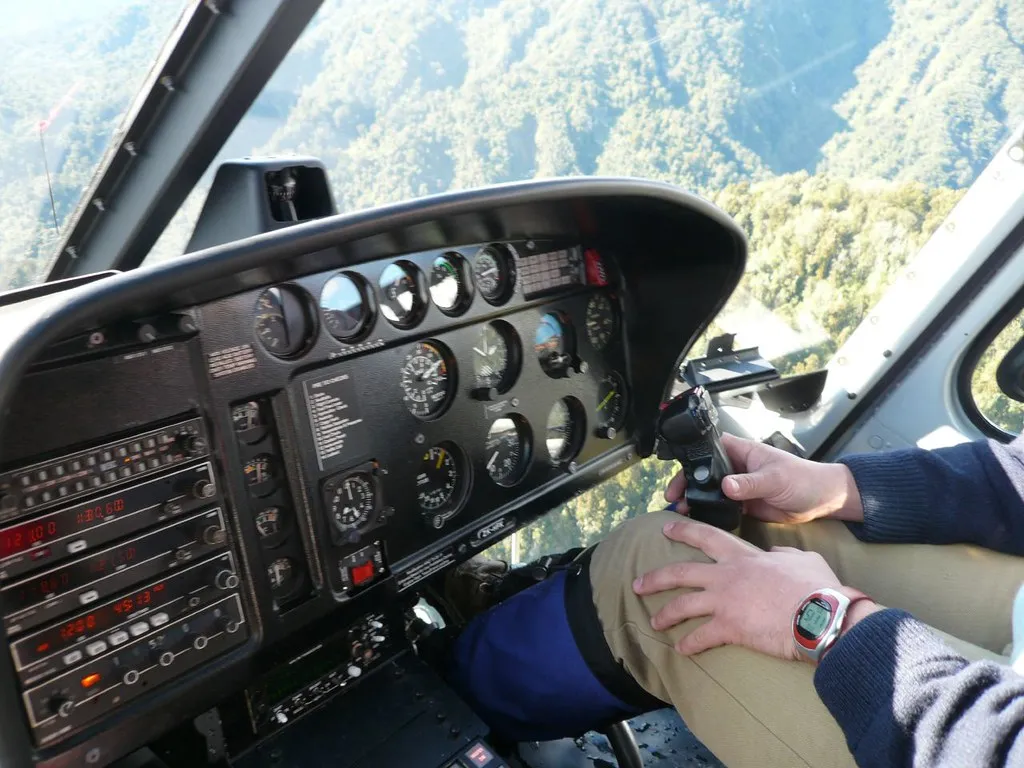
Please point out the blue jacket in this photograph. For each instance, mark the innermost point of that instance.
(901, 695)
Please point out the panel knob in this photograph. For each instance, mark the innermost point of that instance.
(226, 579)
(204, 489)
(214, 534)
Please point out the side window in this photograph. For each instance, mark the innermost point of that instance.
(998, 409)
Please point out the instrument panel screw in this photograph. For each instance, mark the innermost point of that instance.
(99, 205)
(168, 83)
(131, 148)
(93, 756)
(96, 338)
(515, 402)
(419, 439)
(573, 467)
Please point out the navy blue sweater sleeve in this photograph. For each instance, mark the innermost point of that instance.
(971, 493)
(899, 693)
(903, 697)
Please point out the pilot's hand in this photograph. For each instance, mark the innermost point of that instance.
(778, 487)
(750, 595)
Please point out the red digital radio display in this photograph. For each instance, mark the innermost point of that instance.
(38, 533)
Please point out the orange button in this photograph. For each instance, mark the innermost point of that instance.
(90, 680)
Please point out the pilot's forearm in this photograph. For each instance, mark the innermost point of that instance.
(901, 695)
(971, 493)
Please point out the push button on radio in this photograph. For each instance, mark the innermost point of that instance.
(138, 628)
(96, 648)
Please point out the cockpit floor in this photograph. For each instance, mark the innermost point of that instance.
(664, 741)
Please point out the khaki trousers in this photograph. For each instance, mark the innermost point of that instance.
(753, 710)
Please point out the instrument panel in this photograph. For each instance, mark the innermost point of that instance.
(252, 451)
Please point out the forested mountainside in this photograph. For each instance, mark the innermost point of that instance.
(839, 133)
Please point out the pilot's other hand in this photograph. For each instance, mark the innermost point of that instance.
(778, 487)
(750, 595)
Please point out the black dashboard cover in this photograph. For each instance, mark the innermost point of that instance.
(680, 259)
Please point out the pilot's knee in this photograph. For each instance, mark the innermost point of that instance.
(637, 546)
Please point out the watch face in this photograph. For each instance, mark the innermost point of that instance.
(814, 618)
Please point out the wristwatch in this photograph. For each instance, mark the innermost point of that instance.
(819, 620)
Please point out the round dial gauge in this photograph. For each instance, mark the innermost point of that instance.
(283, 322)
(283, 576)
(247, 418)
(507, 449)
(260, 474)
(345, 306)
(448, 283)
(271, 524)
(611, 405)
(438, 482)
(402, 301)
(600, 321)
(352, 501)
(552, 344)
(427, 380)
(563, 430)
(494, 273)
(496, 356)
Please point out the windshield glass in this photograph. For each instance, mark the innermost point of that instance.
(839, 140)
(71, 69)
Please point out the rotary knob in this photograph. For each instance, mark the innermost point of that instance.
(192, 444)
(214, 534)
(204, 489)
(226, 579)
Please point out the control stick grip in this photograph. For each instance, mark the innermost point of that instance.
(688, 432)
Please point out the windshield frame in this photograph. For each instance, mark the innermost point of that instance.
(175, 128)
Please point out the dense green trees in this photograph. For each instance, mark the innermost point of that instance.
(839, 134)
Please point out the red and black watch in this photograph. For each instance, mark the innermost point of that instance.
(819, 619)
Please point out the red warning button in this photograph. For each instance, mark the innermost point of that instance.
(363, 574)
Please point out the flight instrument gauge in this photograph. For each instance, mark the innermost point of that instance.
(494, 273)
(260, 475)
(448, 283)
(439, 482)
(351, 500)
(284, 577)
(611, 405)
(564, 430)
(496, 357)
(272, 524)
(402, 300)
(553, 345)
(345, 304)
(283, 322)
(249, 423)
(508, 449)
(600, 321)
(427, 379)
